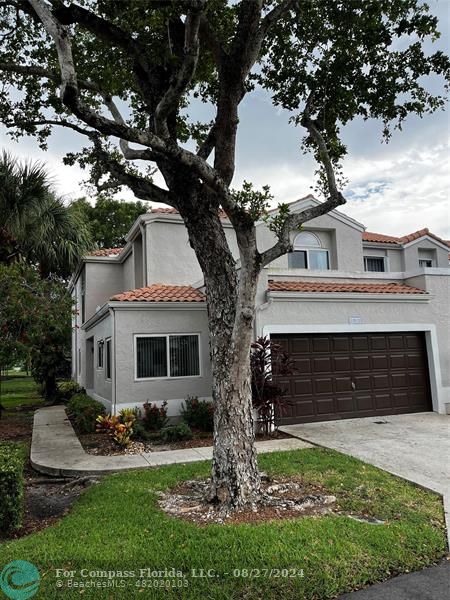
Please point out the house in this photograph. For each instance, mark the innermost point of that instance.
(365, 316)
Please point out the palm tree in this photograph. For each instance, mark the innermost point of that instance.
(35, 225)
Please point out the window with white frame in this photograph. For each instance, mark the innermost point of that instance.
(100, 347)
(171, 355)
(375, 264)
(425, 262)
(308, 253)
(108, 358)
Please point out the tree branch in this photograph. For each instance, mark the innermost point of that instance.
(35, 70)
(183, 76)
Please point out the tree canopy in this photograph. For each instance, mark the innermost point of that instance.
(35, 225)
(108, 220)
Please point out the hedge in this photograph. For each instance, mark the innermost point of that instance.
(12, 462)
(83, 412)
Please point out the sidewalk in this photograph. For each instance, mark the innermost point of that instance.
(56, 450)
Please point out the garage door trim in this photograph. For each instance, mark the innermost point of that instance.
(432, 349)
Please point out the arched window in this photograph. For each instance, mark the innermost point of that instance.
(308, 253)
(305, 239)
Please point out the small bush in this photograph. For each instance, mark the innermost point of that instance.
(83, 412)
(67, 389)
(176, 433)
(12, 460)
(155, 417)
(198, 413)
(141, 433)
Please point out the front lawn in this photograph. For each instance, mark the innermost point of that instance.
(117, 526)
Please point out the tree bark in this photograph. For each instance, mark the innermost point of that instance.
(235, 480)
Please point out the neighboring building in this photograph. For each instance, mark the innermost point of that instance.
(365, 316)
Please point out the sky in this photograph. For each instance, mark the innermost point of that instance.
(394, 188)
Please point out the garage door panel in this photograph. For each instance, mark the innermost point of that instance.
(343, 384)
(323, 385)
(302, 387)
(379, 362)
(361, 363)
(342, 363)
(346, 376)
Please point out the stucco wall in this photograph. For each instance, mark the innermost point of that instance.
(411, 255)
(170, 259)
(131, 392)
(103, 280)
(128, 273)
(101, 331)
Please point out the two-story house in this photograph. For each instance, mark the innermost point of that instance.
(365, 317)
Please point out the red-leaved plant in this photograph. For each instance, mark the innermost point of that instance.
(267, 359)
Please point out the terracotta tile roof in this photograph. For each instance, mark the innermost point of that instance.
(173, 211)
(359, 288)
(158, 292)
(106, 252)
(370, 236)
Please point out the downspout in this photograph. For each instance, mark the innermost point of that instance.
(113, 362)
(144, 252)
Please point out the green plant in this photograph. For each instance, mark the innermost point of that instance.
(104, 423)
(140, 432)
(67, 389)
(128, 415)
(176, 433)
(198, 413)
(83, 412)
(12, 460)
(155, 417)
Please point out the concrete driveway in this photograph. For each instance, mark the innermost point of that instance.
(415, 447)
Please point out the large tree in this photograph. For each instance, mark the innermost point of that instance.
(123, 74)
(36, 226)
(109, 220)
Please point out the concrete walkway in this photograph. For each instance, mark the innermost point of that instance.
(415, 447)
(56, 450)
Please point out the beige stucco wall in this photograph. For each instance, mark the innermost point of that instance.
(411, 255)
(103, 280)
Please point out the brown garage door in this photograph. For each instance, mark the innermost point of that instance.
(342, 376)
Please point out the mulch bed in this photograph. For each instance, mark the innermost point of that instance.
(102, 444)
(16, 428)
(281, 498)
(46, 501)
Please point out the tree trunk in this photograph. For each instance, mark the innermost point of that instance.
(235, 480)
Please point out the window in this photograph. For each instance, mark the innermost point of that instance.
(108, 359)
(167, 356)
(374, 264)
(308, 254)
(425, 262)
(100, 345)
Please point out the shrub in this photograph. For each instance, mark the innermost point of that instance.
(267, 359)
(12, 460)
(155, 417)
(176, 433)
(83, 412)
(141, 433)
(120, 427)
(198, 413)
(122, 433)
(67, 389)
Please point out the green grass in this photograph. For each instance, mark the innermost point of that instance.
(117, 525)
(18, 390)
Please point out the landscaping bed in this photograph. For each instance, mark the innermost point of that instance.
(103, 445)
(119, 525)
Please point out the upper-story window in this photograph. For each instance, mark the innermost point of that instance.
(308, 253)
(376, 264)
(425, 262)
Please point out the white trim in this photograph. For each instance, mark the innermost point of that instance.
(307, 250)
(167, 336)
(299, 246)
(437, 391)
(361, 275)
(348, 297)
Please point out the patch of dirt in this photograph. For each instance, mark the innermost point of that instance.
(102, 444)
(16, 428)
(281, 498)
(47, 500)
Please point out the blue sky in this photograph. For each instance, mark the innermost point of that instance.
(393, 188)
